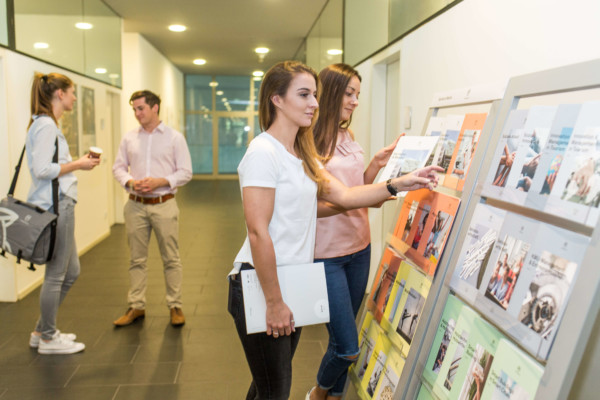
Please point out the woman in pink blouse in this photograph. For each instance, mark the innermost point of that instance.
(343, 236)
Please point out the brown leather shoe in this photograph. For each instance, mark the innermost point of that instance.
(177, 318)
(131, 315)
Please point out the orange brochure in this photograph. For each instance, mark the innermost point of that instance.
(423, 227)
(384, 282)
(469, 136)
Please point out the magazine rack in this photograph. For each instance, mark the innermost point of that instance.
(571, 84)
(482, 99)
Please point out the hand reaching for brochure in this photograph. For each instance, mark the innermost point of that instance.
(383, 156)
(280, 320)
(418, 179)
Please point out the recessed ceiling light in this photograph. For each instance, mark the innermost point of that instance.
(40, 45)
(261, 50)
(258, 73)
(213, 84)
(199, 61)
(84, 25)
(224, 99)
(219, 93)
(334, 52)
(247, 128)
(100, 70)
(177, 28)
(257, 78)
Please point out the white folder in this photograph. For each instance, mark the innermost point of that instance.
(303, 289)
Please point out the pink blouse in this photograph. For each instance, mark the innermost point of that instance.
(346, 233)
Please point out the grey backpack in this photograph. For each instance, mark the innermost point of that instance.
(26, 230)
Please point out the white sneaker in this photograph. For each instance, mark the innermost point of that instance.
(60, 345)
(34, 340)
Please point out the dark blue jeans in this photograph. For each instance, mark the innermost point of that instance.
(269, 359)
(346, 283)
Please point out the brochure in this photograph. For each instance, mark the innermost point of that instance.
(445, 330)
(503, 158)
(376, 364)
(380, 295)
(552, 156)
(397, 290)
(448, 139)
(468, 138)
(576, 190)
(436, 128)
(513, 375)
(481, 237)
(411, 153)
(529, 151)
(389, 377)
(366, 350)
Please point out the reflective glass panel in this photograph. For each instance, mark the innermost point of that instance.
(3, 24)
(199, 139)
(198, 93)
(233, 93)
(233, 138)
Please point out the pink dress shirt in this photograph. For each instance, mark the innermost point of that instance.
(346, 233)
(163, 153)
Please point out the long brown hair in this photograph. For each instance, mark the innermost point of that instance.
(276, 82)
(43, 89)
(334, 81)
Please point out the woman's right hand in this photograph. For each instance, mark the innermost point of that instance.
(421, 178)
(280, 320)
(87, 163)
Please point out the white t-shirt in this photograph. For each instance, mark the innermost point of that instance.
(293, 225)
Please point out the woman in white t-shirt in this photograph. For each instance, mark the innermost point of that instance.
(281, 177)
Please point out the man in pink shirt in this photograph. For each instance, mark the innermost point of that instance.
(153, 161)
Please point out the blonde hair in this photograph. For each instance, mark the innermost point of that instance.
(42, 91)
(276, 82)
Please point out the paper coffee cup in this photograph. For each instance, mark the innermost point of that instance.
(95, 152)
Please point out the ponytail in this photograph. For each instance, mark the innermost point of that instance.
(43, 89)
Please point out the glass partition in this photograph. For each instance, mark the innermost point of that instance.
(405, 15)
(324, 41)
(221, 119)
(365, 28)
(3, 24)
(80, 35)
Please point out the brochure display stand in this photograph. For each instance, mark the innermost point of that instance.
(412, 269)
(517, 297)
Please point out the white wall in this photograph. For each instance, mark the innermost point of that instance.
(91, 211)
(146, 68)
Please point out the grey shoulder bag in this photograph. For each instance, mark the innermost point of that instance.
(27, 231)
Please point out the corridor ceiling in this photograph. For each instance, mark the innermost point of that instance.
(224, 33)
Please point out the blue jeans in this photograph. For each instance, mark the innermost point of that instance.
(347, 278)
(269, 359)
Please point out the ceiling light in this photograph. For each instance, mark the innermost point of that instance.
(177, 28)
(257, 78)
(100, 70)
(224, 99)
(261, 50)
(219, 93)
(258, 73)
(213, 84)
(246, 128)
(199, 61)
(40, 45)
(84, 25)
(334, 52)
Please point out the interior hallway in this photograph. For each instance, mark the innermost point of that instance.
(149, 359)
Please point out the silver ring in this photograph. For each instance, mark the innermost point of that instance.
(275, 333)
(292, 321)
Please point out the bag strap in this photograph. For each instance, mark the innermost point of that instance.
(55, 204)
(13, 185)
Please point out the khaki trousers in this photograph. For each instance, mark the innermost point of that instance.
(140, 220)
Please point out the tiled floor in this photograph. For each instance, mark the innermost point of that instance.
(150, 359)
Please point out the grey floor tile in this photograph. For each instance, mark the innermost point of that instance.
(36, 376)
(72, 393)
(115, 374)
(186, 391)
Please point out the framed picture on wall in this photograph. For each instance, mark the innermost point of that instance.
(69, 124)
(88, 119)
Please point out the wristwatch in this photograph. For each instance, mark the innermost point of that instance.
(391, 188)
